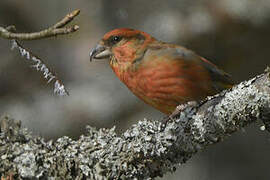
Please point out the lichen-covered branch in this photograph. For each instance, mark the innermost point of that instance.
(57, 29)
(146, 150)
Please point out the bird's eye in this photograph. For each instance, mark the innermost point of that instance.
(115, 39)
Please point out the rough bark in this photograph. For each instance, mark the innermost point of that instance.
(146, 150)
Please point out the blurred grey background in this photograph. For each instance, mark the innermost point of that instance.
(234, 34)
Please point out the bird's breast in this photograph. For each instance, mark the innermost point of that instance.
(166, 85)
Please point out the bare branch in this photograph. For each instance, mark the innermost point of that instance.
(55, 30)
(144, 151)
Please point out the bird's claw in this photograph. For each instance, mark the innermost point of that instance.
(176, 112)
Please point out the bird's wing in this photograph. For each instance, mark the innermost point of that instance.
(221, 80)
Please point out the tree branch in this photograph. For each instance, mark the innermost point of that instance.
(57, 29)
(146, 150)
(38, 64)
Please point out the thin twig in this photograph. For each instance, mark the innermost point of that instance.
(57, 29)
(69, 17)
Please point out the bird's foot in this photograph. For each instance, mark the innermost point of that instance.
(177, 111)
(182, 107)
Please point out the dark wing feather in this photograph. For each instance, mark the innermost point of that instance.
(222, 79)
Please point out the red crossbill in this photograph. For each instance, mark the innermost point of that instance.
(161, 74)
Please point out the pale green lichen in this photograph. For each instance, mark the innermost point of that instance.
(147, 150)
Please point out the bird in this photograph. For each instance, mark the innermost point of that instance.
(161, 74)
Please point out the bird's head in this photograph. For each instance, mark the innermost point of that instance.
(122, 46)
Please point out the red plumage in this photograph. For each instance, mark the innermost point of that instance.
(161, 74)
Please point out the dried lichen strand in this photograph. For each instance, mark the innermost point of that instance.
(39, 65)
